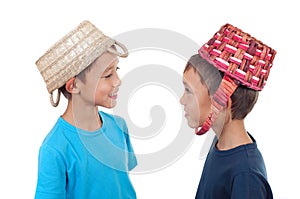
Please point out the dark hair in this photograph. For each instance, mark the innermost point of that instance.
(243, 99)
(80, 76)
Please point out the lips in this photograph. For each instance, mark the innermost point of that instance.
(186, 113)
(114, 95)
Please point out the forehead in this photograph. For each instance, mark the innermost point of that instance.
(191, 77)
(105, 61)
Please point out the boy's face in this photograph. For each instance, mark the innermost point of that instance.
(102, 82)
(196, 100)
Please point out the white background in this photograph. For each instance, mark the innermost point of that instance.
(29, 27)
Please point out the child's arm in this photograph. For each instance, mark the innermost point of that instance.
(249, 185)
(132, 161)
(51, 175)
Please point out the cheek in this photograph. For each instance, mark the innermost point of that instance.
(102, 91)
(88, 91)
(204, 107)
(90, 86)
(193, 109)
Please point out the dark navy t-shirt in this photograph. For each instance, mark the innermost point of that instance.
(238, 173)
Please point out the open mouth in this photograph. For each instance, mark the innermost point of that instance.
(113, 95)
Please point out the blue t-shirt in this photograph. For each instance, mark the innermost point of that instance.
(78, 164)
(238, 173)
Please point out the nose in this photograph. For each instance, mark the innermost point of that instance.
(182, 101)
(117, 81)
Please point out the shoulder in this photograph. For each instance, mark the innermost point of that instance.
(244, 158)
(253, 184)
(60, 135)
(55, 132)
(250, 177)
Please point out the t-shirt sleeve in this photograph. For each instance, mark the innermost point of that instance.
(51, 175)
(250, 186)
(132, 161)
(131, 158)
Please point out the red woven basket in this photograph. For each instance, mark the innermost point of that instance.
(239, 55)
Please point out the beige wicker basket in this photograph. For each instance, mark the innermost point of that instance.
(72, 54)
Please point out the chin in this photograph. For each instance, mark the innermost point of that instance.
(108, 106)
(193, 124)
(112, 105)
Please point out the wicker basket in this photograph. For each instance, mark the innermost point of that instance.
(243, 59)
(72, 54)
(239, 55)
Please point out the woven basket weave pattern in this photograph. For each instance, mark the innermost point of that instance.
(242, 58)
(73, 53)
(239, 55)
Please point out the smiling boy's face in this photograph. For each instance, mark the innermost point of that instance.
(196, 99)
(102, 82)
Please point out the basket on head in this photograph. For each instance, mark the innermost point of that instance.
(72, 54)
(243, 59)
(239, 55)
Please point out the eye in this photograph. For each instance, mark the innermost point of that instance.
(187, 90)
(111, 73)
(108, 76)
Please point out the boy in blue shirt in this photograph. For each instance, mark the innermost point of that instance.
(221, 85)
(88, 153)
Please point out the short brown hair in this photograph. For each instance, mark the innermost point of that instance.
(243, 99)
(80, 76)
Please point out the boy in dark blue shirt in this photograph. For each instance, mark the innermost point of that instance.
(222, 83)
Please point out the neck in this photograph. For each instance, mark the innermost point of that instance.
(82, 116)
(233, 134)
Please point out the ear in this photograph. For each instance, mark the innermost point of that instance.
(71, 86)
(228, 110)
